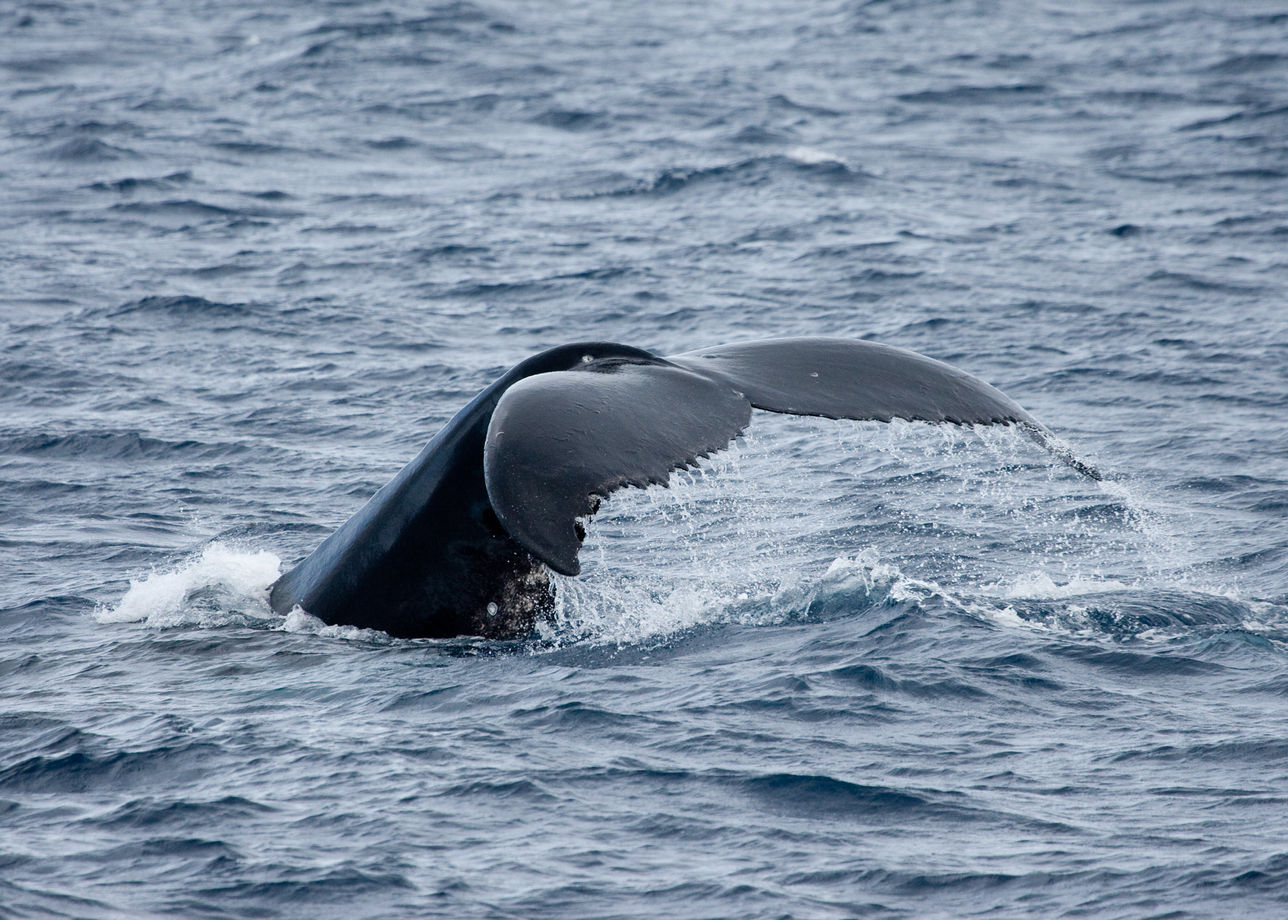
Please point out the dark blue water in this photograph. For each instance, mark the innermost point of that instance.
(253, 255)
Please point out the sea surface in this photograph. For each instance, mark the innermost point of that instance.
(253, 255)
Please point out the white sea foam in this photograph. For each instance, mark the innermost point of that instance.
(1039, 584)
(812, 156)
(220, 586)
(297, 621)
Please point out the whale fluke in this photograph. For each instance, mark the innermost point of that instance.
(557, 443)
(854, 379)
(458, 542)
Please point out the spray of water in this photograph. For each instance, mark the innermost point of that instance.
(221, 586)
(801, 515)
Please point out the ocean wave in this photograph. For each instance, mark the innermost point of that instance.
(570, 119)
(156, 812)
(871, 677)
(86, 772)
(1009, 94)
(1137, 613)
(90, 150)
(111, 445)
(806, 162)
(338, 885)
(193, 209)
(806, 795)
(1268, 748)
(185, 307)
(439, 18)
(129, 185)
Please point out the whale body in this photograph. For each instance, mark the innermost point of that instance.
(461, 541)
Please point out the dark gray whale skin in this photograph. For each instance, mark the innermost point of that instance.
(426, 555)
(459, 542)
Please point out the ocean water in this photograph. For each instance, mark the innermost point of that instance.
(253, 256)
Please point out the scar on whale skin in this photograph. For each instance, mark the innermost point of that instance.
(459, 542)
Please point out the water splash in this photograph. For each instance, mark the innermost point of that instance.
(801, 518)
(222, 586)
(659, 561)
(297, 621)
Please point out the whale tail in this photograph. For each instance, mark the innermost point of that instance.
(456, 542)
(558, 442)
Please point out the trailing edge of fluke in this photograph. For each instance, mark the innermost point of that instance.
(459, 541)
